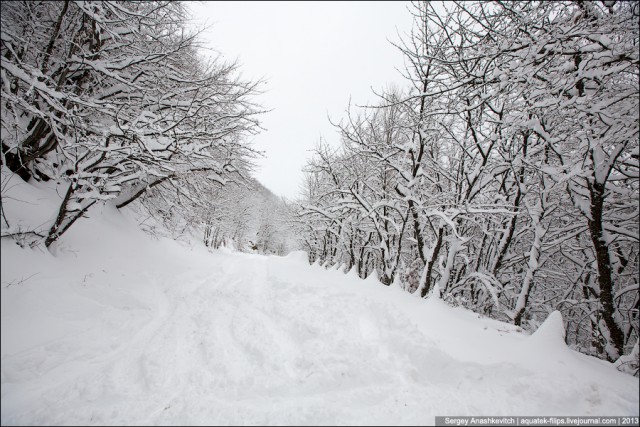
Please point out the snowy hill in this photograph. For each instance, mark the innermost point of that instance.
(120, 328)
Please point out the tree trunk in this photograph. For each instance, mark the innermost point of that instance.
(426, 279)
(612, 331)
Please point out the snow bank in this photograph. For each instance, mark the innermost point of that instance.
(551, 333)
(298, 256)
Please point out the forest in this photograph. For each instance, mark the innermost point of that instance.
(504, 175)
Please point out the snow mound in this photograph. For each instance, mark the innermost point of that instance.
(397, 284)
(373, 278)
(551, 333)
(435, 293)
(298, 256)
(353, 273)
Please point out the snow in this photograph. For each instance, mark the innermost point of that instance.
(298, 256)
(122, 328)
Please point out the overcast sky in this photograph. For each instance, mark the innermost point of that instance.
(314, 56)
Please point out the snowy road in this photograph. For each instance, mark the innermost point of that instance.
(160, 334)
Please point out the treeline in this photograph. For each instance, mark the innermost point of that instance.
(112, 99)
(243, 215)
(504, 175)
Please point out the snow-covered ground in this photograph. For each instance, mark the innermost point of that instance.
(121, 328)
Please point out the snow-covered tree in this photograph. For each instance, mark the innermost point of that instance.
(508, 167)
(112, 98)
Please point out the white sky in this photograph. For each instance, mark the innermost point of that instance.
(314, 56)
